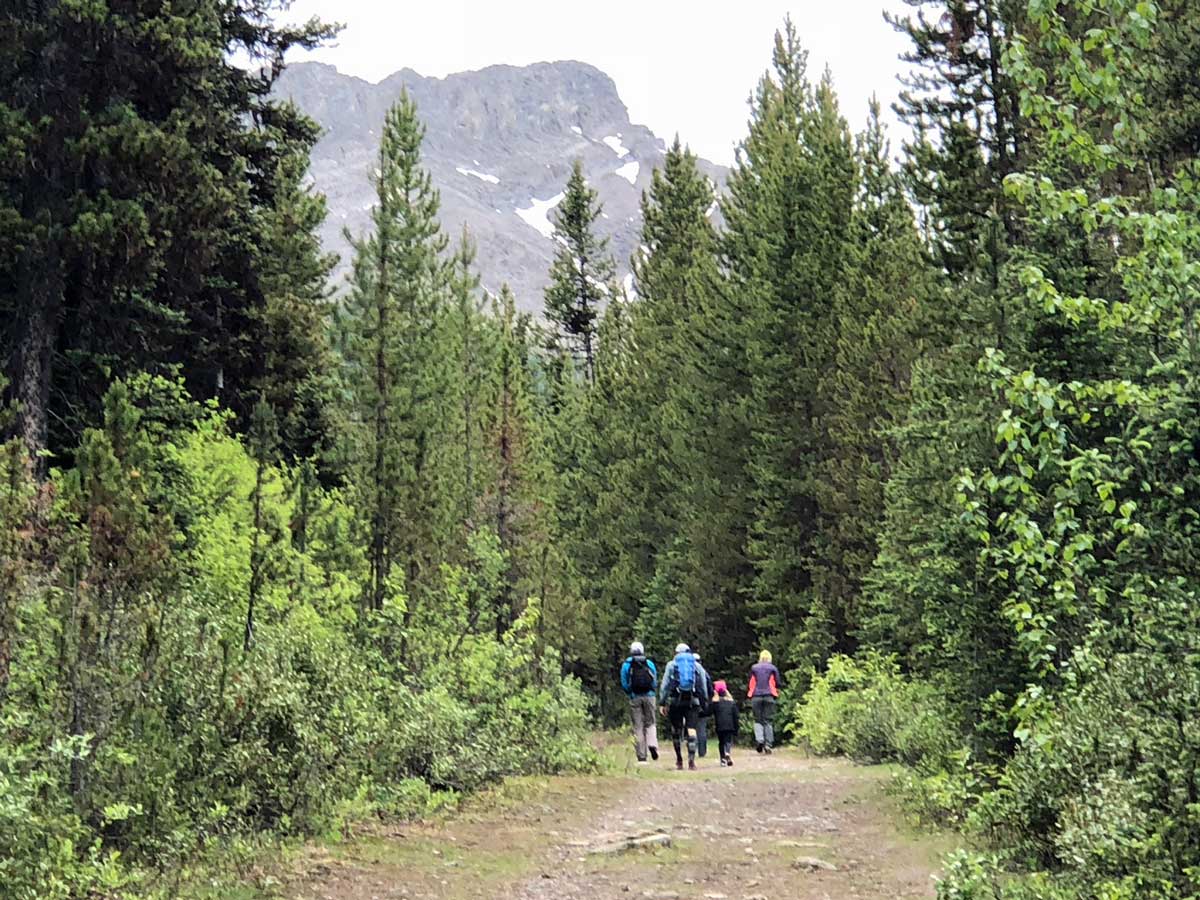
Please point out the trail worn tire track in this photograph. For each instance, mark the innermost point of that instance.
(770, 828)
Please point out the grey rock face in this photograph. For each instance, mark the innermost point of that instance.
(499, 144)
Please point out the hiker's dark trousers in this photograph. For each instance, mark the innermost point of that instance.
(726, 740)
(684, 721)
(764, 712)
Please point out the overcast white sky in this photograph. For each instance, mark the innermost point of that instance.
(685, 67)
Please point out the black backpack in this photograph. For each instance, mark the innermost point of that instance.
(641, 681)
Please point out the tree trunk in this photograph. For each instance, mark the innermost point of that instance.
(256, 557)
(43, 293)
(381, 525)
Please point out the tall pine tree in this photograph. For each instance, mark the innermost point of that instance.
(137, 158)
(789, 225)
(883, 311)
(398, 296)
(582, 274)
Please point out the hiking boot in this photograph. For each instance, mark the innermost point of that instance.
(679, 765)
(767, 750)
(729, 761)
(654, 753)
(758, 748)
(692, 765)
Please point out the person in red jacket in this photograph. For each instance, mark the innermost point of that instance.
(765, 682)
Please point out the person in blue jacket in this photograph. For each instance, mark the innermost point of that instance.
(680, 702)
(639, 681)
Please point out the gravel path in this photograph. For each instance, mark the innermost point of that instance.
(770, 828)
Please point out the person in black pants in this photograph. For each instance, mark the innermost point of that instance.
(765, 682)
(725, 720)
(679, 702)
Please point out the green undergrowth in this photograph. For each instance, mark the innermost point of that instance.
(155, 726)
(1069, 816)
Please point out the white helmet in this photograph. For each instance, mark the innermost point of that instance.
(682, 648)
(636, 649)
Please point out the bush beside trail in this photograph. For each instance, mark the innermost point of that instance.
(1097, 802)
(140, 727)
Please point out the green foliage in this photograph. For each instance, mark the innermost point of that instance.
(138, 201)
(403, 418)
(789, 212)
(582, 275)
(929, 434)
(868, 711)
(141, 726)
(1083, 520)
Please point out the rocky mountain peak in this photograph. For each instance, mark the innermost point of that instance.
(499, 143)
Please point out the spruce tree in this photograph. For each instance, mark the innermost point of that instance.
(789, 225)
(883, 310)
(682, 519)
(298, 366)
(582, 274)
(474, 341)
(264, 445)
(523, 496)
(964, 109)
(129, 210)
(393, 313)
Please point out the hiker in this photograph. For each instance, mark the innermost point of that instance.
(765, 682)
(639, 680)
(679, 702)
(725, 720)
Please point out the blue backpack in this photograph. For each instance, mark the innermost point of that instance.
(685, 672)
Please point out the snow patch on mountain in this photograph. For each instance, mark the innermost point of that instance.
(537, 214)
(482, 176)
(615, 145)
(629, 171)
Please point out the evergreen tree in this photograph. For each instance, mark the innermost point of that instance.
(883, 318)
(264, 444)
(789, 215)
(683, 515)
(397, 299)
(965, 113)
(297, 376)
(582, 274)
(16, 508)
(137, 157)
(520, 507)
(474, 340)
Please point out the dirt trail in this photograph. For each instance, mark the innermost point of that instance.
(770, 828)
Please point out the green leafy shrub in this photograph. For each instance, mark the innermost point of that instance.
(864, 708)
(143, 723)
(1105, 788)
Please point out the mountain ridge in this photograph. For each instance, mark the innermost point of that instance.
(499, 144)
